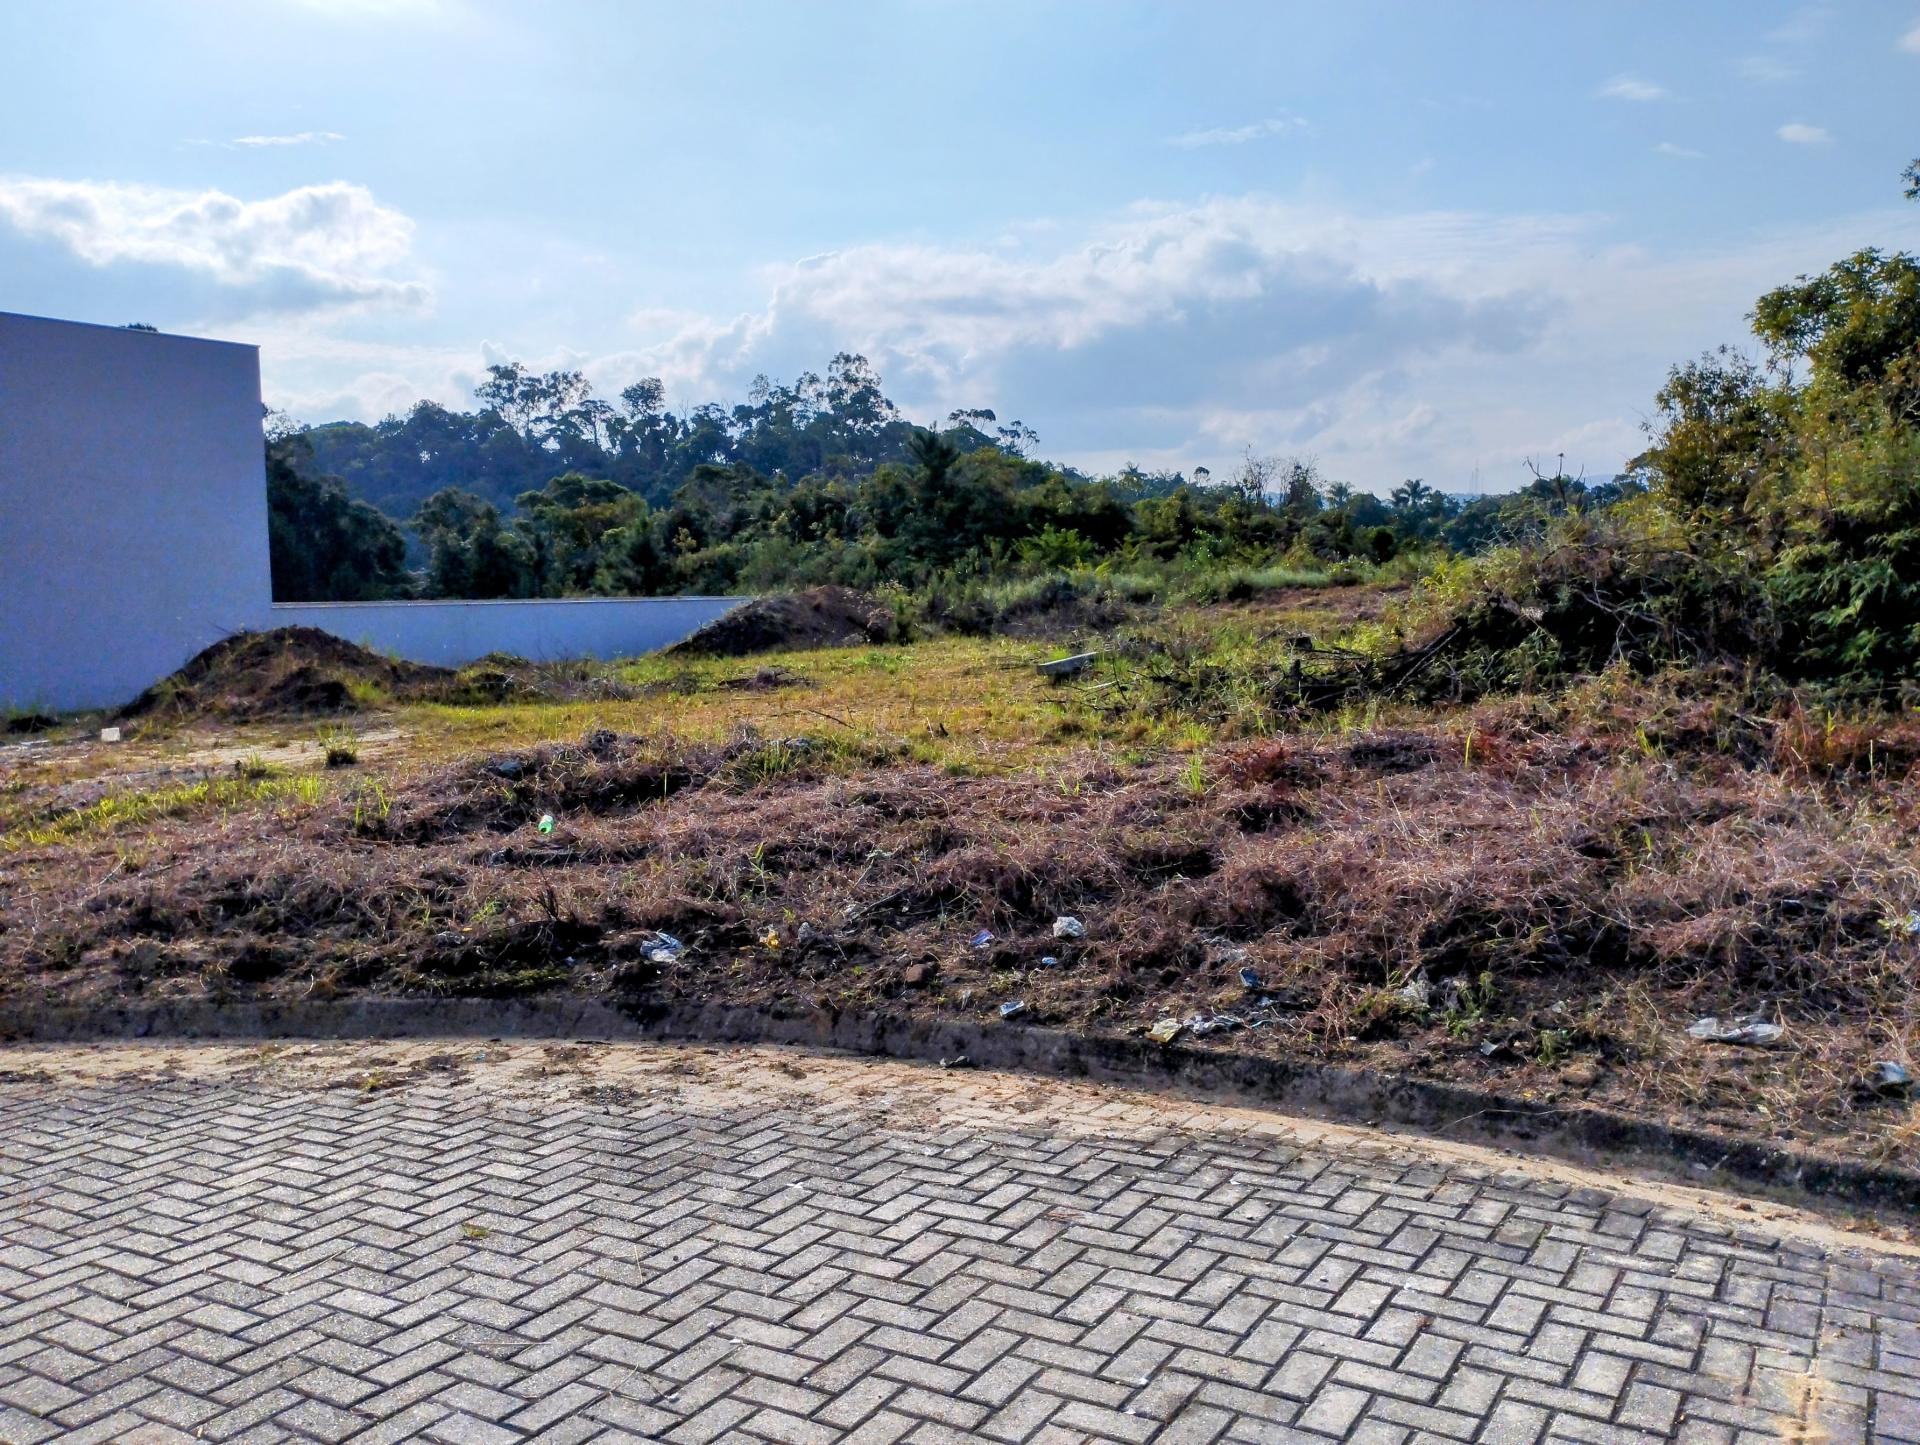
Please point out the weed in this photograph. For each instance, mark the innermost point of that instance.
(372, 806)
(1552, 1046)
(340, 746)
(1195, 775)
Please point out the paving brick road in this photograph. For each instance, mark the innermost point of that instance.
(478, 1243)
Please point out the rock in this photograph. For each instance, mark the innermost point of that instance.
(917, 975)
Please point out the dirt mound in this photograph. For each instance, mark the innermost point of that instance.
(290, 670)
(818, 617)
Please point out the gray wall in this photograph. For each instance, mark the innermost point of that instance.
(133, 530)
(133, 507)
(453, 633)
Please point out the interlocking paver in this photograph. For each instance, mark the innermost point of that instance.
(884, 1255)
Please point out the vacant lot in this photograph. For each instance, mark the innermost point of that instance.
(1536, 894)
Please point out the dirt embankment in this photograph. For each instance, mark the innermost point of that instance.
(818, 617)
(287, 671)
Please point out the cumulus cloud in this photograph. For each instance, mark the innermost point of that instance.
(1631, 87)
(310, 248)
(1795, 133)
(1678, 152)
(1445, 345)
(1910, 42)
(1240, 134)
(1160, 307)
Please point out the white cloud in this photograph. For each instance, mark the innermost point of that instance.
(1795, 133)
(1239, 135)
(1765, 69)
(1910, 42)
(299, 138)
(1678, 152)
(373, 9)
(1445, 345)
(1631, 87)
(310, 248)
(1802, 27)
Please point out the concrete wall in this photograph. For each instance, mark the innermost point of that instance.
(133, 507)
(133, 530)
(454, 633)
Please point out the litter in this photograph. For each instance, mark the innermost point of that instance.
(1891, 1078)
(1415, 992)
(1066, 666)
(1249, 979)
(546, 823)
(1012, 1008)
(1754, 1031)
(1069, 927)
(1200, 1025)
(1220, 950)
(958, 1061)
(981, 939)
(1166, 1031)
(1049, 961)
(109, 735)
(771, 938)
(1909, 925)
(664, 949)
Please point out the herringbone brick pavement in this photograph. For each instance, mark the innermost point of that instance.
(689, 1246)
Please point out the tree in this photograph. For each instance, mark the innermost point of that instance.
(511, 392)
(1720, 421)
(323, 545)
(933, 454)
(566, 527)
(472, 552)
(1857, 323)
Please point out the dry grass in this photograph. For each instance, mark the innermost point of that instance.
(1566, 881)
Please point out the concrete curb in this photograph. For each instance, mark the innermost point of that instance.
(1319, 1091)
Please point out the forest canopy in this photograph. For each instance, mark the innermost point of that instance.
(546, 490)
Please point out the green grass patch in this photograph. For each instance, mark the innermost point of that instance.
(120, 811)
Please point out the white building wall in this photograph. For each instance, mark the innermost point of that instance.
(133, 507)
(133, 530)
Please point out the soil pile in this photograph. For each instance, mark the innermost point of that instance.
(818, 617)
(288, 671)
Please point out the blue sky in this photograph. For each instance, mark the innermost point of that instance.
(1425, 239)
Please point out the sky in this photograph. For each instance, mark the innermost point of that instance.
(1434, 240)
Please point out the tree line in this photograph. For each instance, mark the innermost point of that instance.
(545, 490)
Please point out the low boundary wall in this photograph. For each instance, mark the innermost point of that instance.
(452, 634)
